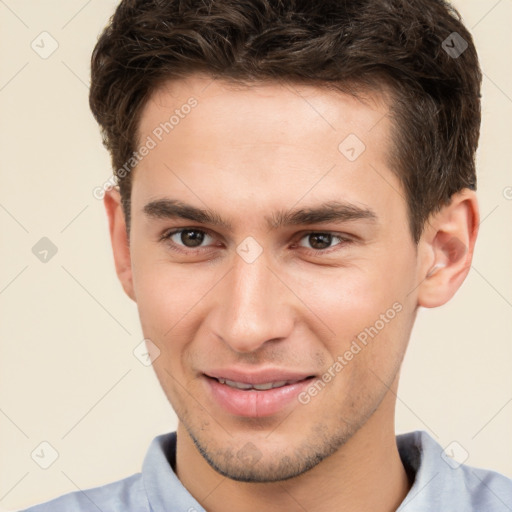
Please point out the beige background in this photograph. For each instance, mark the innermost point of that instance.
(67, 369)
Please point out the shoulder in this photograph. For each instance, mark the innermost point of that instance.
(156, 484)
(126, 495)
(485, 489)
(442, 482)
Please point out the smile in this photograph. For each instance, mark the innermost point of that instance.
(268, 396)
(258, 387)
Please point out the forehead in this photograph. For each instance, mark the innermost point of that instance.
(256, 104)
(264, 145)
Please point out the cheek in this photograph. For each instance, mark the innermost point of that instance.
(362, 313)
(161, 295)
(170, 299)
(347, 298)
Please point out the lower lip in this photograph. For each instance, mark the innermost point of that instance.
(253, 403)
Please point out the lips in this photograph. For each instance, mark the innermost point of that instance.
(255, 394)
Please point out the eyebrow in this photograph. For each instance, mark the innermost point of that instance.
(331, 211)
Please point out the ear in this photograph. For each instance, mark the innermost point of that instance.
(119, 239)
(447, 246)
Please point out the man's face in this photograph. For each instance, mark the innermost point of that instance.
(262, 299)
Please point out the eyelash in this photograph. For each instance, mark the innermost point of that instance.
(166, 237)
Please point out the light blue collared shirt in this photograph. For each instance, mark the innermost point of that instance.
(440, 484)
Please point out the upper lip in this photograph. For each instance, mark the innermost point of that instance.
(257, 377)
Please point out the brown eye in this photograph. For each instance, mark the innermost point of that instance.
(188, 237)
(322, 242)
(191, 237)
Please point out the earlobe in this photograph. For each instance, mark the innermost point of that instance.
(119, 240)
(449, 242)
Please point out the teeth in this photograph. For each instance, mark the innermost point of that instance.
(259, 387)
(233, 384)
(270, 385)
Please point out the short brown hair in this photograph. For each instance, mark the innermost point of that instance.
(420, 49)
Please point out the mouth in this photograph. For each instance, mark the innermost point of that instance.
(259, 387)
(256, 395)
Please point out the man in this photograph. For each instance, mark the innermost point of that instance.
(295, 179)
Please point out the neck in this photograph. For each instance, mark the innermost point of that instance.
(365, 474)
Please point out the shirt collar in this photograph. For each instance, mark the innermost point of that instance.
(164, 490)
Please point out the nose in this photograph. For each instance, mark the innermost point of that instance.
(254, 308)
